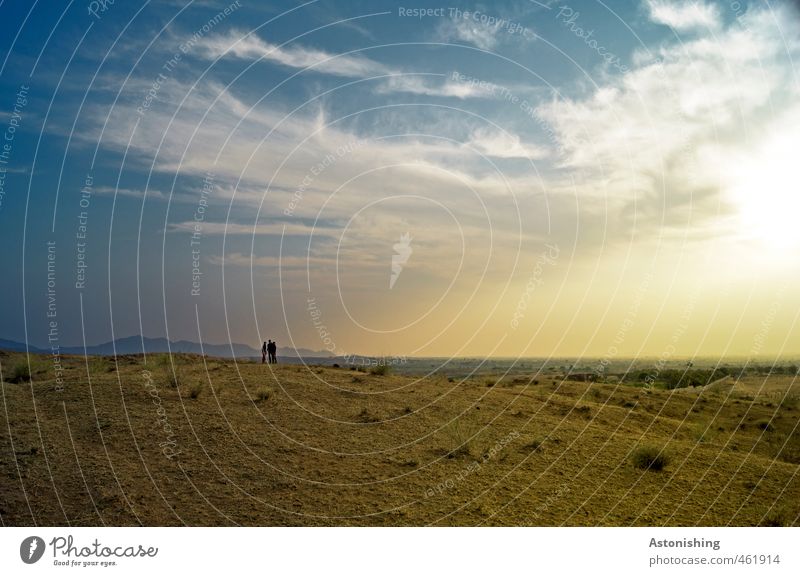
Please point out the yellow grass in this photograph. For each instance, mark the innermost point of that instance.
(256, 444)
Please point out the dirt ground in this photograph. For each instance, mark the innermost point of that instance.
(193, 441)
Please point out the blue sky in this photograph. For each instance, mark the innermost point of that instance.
(648, 143)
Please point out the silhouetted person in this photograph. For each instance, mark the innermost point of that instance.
(272, 349)
(264, 353)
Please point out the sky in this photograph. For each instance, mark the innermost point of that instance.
(467, 179)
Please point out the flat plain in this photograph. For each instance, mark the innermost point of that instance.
(188, 440)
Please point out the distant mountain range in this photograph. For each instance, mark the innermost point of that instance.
(139, 345)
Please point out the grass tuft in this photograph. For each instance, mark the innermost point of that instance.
(195, 389)
(20, 373)
(649, 458)
(765, 425)
(380, 370)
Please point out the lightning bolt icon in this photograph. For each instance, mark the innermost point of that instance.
(34, 546)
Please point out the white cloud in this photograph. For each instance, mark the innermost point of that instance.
(250, 47)
(238, 229)
(642, 134)
(499, 144)
(415, 84)
(684, 15)
(131, 193)
(466, 30)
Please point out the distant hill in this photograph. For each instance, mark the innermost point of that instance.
(139, 345)
(19, 347)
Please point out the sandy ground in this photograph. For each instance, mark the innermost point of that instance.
(251, 444)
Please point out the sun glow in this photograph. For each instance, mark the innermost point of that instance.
(765, 191)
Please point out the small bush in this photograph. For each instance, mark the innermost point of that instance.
(533, 445)
(174, 378)
(702, 433)
(20, 373)
(649, 458)
(262, 394)
(380, 370)
(765, 425)
(777, 518)
(366, 416)
(461, 437)
(195, 389)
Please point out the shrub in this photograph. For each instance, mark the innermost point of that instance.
(263, 394)
(101, 364)
(195, 389)
(533, 445)
(380, 370)
(20, 373)
(777, 518)
(765, 425)
(461, 435)
(649, 458)
(174, 378)
(366, 416)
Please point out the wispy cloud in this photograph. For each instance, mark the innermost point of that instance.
(248, 46)
(463, 30)
(499, 144)
(237, 229)
(388, 79)
(684, 15)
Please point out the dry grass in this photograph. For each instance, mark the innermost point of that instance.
(289, 446)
